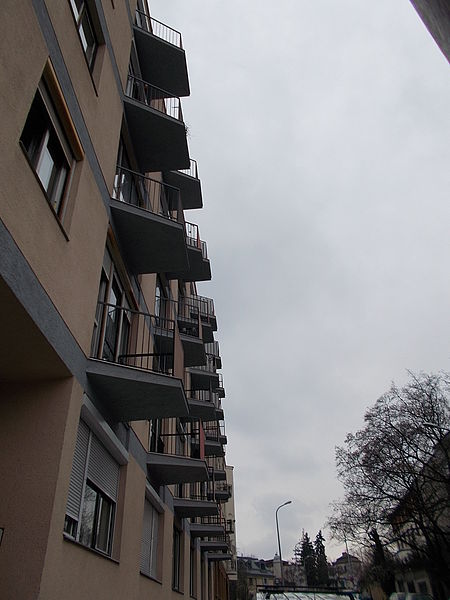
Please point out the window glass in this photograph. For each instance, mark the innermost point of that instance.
(88, 516)
(85, 28)
(92, 494)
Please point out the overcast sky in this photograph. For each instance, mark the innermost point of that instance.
(321, 131)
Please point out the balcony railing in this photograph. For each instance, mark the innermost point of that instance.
(154, 97)
(133, 339)
(192, 171)
(210, 366)
(212, 348)
(147, 193)
(193, 239)
(176, 444)
(204, 396)
(151, 25)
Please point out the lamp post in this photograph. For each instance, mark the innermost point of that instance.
(278, 536)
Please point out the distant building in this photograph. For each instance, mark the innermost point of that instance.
(253, 573)
(345, 572)
(436, 16)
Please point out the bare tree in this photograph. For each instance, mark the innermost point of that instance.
(395, 473)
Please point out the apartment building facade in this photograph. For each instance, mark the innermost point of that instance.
(436, 16)
(112, 437)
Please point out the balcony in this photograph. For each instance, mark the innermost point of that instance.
(188, 182)
(216, 472)
(201, 404)
(214, 545)
(156, 126)
(205, 377)
(190, 329)
(208, 527)
(161, 54)
(212, 348)
(199, 266)
(213, 447)
(148, 218)
(167, 469)
(169, 460)
(220, 389)
(200, 308)
(131, 369)
(222, 492)
(218, 556)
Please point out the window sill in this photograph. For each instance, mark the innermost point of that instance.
(178, 591)
(67, 538)
(146, 575)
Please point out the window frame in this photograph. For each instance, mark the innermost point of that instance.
(41, 130)
(150, 568)
(176, 559)
(90, 454)
(79, 14)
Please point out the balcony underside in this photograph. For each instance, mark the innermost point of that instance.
(216, 556)
(185, 507)
(223, 439)
(213, 545)
(190, 188)
(162, 63)
(220, 475)
(194, 351)
(220, 414)
(201, 410)
(207, 332)
(203, 380)
(168, 469)
(199, 267)
(221, 496)
(213, 448)
(134, 394)
(25, 353)
(159, 140)
(206, 530)
(151, 243)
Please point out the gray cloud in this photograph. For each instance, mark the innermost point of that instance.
(321, 131)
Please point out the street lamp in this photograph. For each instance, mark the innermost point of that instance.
(278, 536)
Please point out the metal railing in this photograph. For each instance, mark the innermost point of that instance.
(212, 348)
(158, 99)
(220, 384)
(164, 32)
(203, 396)
(193, 239)
(192, 171)
(133, 339)
(210, 366)
(148, 194)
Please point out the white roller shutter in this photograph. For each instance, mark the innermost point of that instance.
(78, 470)
(103, 470)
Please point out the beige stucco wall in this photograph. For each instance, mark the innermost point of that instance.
(32, 438)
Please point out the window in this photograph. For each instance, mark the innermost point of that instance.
(176, 559)
(113, 316)
(149, 540)
(47, 149)
(86, 29)
(92, 495)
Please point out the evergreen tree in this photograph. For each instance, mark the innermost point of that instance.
(321, 560)
(308, 560)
